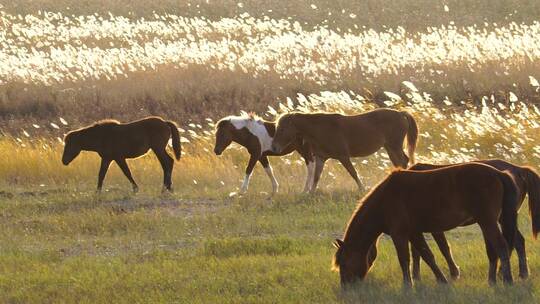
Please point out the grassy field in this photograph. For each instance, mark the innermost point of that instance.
(71, 245)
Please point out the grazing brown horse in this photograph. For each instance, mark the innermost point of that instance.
(407, 203)
(115, 141)
(527, 182)
(256, 136)
(342, 137)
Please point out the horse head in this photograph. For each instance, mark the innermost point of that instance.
(286, 132)
(72, 147)
(224, 135)
(349, 264)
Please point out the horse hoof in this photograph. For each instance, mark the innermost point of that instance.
(442, 280)
(455, 274)
(524, 272)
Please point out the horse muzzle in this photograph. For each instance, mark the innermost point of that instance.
(217, 151)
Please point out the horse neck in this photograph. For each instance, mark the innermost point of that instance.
(364, 228)
(301, 124)
(89, 139)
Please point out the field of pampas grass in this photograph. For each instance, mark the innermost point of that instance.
(189, 68)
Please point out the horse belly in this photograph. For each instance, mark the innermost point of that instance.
(444, 221)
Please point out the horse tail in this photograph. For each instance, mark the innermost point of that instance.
(175, 136)
(532, 181)
(509, 207)
(412, 135)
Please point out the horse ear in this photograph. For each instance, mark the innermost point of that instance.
(338, 243)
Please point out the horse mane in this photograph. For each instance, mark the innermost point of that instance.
(105, 122)
(251, 116)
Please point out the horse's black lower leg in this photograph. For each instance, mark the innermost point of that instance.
(420, 244)
(401, 243)
(319, 165)
(397, 156)
(522, 256)
(497, 244)
(253, 158)
(444, 247)
(125, 169)
(519, 245)
(415, 263)
(346, 162)
(105, 163)
(493, 260)
(167, 164)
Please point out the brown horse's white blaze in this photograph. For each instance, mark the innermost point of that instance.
(256, 135)
(341, 137)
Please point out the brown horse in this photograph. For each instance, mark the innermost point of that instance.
(115, 141)
(342, 137)
(256, 136)
(407, 203)
(527, 182)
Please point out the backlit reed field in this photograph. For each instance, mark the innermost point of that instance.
(473, 90)
(189, 68)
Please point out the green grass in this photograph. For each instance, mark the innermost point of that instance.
(75, 246)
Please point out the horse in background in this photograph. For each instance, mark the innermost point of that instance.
(528, 183)
(408, 203)
(256, 135)
(344, 136)
(115, 141)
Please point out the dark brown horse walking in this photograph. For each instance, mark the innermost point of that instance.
(407, 203)
(256, 136)
(342, 137)
(527, 182)
(115, 141)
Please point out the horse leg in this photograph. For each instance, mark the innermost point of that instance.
(319, 165)
(519, 244)
(307, 155)
(124, 166)
(346, 162)
(397, 156)
(497, 243)
(415, 263)
(444, 247)
(522, 256)
(401, 243)
(105, 163)
(372, 254)
(493, 260)
(249, 169)
(310, 165)
(419, 243)
(266, 165)
(167, 164)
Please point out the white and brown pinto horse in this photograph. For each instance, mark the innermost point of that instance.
(256, 136)
(342, 137)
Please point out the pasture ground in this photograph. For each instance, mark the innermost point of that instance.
(66, 244)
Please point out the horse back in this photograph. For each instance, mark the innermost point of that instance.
(444, 198)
